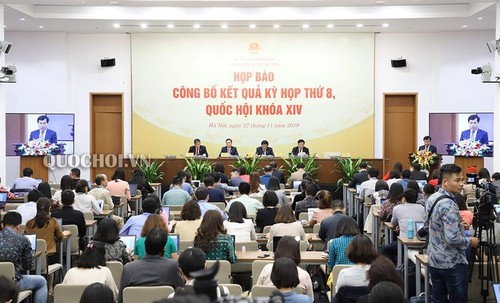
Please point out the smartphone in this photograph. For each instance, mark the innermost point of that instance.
(263, 256)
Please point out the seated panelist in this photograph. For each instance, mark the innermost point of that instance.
(197, 149)
(229, 148)
(264, 149)
(300, 149)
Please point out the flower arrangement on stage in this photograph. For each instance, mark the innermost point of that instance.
(425, 158)
(470, 148)
(39, 147)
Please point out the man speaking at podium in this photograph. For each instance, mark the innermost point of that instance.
(43, 133)
(474, 133)
(428, 146)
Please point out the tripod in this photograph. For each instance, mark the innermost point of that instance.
(486, 255)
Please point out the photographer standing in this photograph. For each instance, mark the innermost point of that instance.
(447, 241)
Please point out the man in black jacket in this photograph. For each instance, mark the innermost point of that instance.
(360, 177)
(72, 216)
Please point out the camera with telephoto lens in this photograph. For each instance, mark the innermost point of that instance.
(476, 71)
(205, 283)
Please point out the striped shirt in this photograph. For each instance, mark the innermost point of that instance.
(336, 253)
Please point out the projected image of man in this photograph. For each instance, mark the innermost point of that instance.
(43, 132)
(474, 133)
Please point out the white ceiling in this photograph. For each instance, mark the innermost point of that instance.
(99, 16)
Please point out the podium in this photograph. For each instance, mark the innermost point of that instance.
(465, 162)
(40, 170)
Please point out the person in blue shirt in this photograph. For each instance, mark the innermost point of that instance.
(134, 224)
(285, 277)
(202, 196)
(268, 173)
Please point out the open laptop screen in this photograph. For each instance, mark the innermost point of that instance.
(32, 239)
(129, 241)
(176, 239)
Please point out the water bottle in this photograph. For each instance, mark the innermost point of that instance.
(410, 229)
(243, 249)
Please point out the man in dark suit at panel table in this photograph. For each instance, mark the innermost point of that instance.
(300, 149)
(197, 149)
(428, 146)
(229, 148)
(360, 177)
(264, 149)
(277, 173)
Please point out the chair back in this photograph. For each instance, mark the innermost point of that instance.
(266, 290)
(88, 215)
(234, 289)
(335, 272)
(133, 294)
(175, 207)
(304, 216)
(257, 267)
(75, 248)
(65, 293)
(267, 229)
(250, 246)
(116, 269)
(224, 274)
(316, 228)
(185, 244)
(11, 206)
(7, 270)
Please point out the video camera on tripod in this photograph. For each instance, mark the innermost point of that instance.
(484, 209)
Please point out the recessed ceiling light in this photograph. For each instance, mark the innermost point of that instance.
(114, 2)
(305, 26)
(21, 19)
(116, 25)
(379, 2)
(41, 26)
(223, 26)
(196, 26)
(465, 26)
(359, 25)
(276, 26)
(329, 25)
(480, 18)
(4, 26)
(252, 26)
(385, 25)
(170, 25)
(144, 25)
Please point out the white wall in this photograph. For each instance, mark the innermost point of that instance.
(438, 70)
(56, 74)
(58, 71)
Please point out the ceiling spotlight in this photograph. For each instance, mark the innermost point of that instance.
(170, 26)
(223, 26)
(144, 25)
(252, 26)
(465, 26)
(329, 25)
(276, 26)
(480, 18)
(196, 25)
(385, 25)
(305, 26)
(21, 19)
(114, 2)
(41, 26)
(116, 25)
(359, 25)
(379, 2)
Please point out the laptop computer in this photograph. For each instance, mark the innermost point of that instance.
(496, 291)
(310, 213)
(358, 188)
(32, 239)
(3, 199)
(196, 183)
(38, 180)
(421, 183)
(133, 189)
(101, 204)
(176, 239)
(59, 221)
(296, 184)
(418, 226)
(166, 210)
(129, 241)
